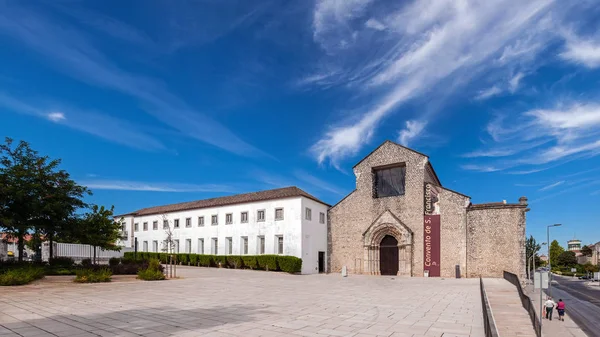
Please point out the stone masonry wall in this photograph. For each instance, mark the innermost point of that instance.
(496, 240)
(453, 231)
(349, 219)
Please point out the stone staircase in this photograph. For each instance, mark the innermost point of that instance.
(510, 316)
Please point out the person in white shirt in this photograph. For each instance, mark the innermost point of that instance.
(549, 307)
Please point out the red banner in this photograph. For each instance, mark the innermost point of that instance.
(431, 241)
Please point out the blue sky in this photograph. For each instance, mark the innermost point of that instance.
(154, 102)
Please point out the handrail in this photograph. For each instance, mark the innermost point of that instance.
(526, 302)
(489, 324)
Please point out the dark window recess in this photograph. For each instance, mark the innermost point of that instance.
(389, 182)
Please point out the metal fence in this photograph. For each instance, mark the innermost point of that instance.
(79, 252)
(525, 301)
(488, 319)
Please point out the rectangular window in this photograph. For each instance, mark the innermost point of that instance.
(188, 246)
(200, 246)
(214, 220)
(200, 221)
(244, 217)
(308, 214)
(136, 227)
(165, 224)
(215, 246)
(155, 246)
(389, 182)
(176, 246)
(244, 246)
(145, 226)
(260, 215)
(322, 217)
(228, 219)
(261, 245)
(188, 222)
(176, 223)
(279, 244)
(145, 246)
(229, 246)
(154, 225)
(278, 213)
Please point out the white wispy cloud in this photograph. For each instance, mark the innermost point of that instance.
(127, 185)
(69, 50)
(426, 44)
(411, 132)
(121, 131)
(480, 168)
(489, 92)
(514, 82)
(551, 186)
(584, 51)
(375, 24)
(545, 136)
(56, 116)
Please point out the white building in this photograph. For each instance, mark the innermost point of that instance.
(286, 221)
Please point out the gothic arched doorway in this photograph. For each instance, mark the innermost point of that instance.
(388, 256)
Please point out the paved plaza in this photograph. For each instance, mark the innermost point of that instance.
(220, 302)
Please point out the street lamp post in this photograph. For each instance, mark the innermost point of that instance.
(549, 259)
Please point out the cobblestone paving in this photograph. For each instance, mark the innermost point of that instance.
(218, 302)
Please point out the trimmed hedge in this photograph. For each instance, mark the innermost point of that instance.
(288, 264)
(65, 262)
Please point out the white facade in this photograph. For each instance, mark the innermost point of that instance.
(300, 236)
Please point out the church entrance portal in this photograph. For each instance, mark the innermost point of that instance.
(388, 255)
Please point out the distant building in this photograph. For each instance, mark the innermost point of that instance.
(9, 247)
(543, 258)
(574, 246)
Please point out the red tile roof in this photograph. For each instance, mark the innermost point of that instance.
(279, 193)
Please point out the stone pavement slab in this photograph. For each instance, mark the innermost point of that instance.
(222, 302)
(555, 328)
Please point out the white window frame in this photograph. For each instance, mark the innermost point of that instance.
(260, 245)
(322, 218)
(277, 238)
(176, 223)
(154, 225)
(214, 248)
(136, 227)
(188, 222)
(155, 246)
(165, 224)
(214, 220)
(242, 220)
(282, 214)
(264, 215)
(176, 241)
(200, 247)
(229, 218)
(244, 245)
(145, 246)
(308, 214)
(228, 245)
(201, 221)
(188, 246)
(145, 226)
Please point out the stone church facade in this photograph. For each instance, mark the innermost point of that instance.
(400, 220)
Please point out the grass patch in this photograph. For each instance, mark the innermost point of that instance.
(93, 276)
(21, 276)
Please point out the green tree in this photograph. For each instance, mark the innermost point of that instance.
(587, 251)
(566, 259)
(555, 251)
(98, 229)
(531, 249)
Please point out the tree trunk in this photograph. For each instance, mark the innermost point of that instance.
(20, 244)
(51, 248)
(94, 254)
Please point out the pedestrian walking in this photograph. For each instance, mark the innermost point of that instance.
(560, 307)
(549, 307)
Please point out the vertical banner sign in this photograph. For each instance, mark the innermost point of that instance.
(431, 231)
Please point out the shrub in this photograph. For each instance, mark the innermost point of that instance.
(60, 271)
(183, 258)
(267, 262)
(235, 261)
(86, 262)
(250, 261)
(128, 255)
(206, 260)
(289, 264)
(194, 259)
(152, 273)
(164, 257)
(222, 259)
(114, 261)
(93, 276)
(66, 262)
(21, 276)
